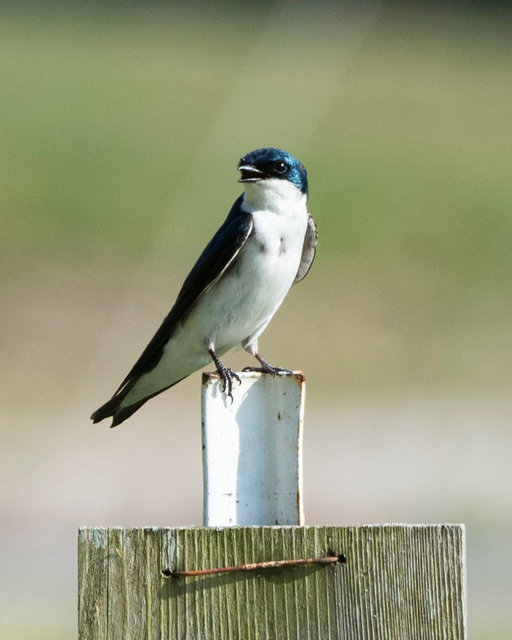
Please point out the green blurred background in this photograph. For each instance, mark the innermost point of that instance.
(121, 126)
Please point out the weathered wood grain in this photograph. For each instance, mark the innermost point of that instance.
(92, 574)
(398, 582)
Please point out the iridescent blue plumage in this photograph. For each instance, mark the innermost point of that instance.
(266, 159)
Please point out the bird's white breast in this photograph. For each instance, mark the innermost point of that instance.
(280, 218)
(267, 265)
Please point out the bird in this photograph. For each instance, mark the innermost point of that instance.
(266, 244)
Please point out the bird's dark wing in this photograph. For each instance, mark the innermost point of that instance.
(217, 257)
(308, 250)
(212, 263)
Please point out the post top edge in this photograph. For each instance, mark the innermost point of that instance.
(211, 376)
(365, 527)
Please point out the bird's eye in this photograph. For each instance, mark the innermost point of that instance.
(280, 167)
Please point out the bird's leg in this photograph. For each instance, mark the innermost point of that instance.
(226, 375)
(266, 367)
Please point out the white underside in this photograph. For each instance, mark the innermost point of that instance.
(238, 307)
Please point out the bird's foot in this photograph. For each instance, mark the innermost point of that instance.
(266, 367)
(226, 374)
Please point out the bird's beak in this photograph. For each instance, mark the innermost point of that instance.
(250, 173)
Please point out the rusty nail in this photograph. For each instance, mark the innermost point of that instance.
(272, 564)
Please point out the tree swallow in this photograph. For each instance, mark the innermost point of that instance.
(265, 245)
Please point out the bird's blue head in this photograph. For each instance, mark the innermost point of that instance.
(269, 162)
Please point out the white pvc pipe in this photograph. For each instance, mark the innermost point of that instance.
(252, 450)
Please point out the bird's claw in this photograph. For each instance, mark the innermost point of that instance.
(227, 376)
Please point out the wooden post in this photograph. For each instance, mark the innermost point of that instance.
(252, 450)
(393, 582)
